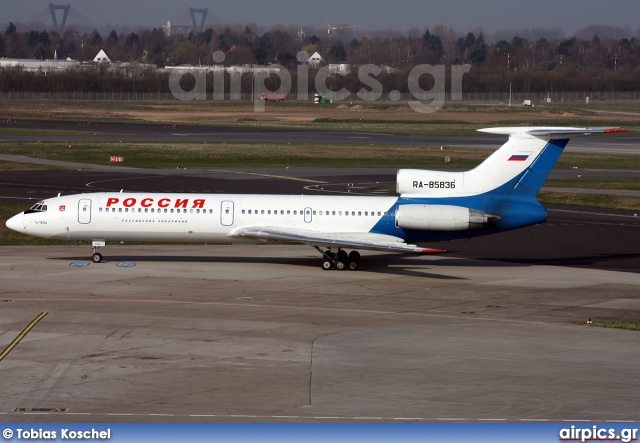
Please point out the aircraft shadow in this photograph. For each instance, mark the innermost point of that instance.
(393, 264)
(598, 261)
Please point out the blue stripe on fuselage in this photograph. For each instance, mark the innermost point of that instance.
(515, 202)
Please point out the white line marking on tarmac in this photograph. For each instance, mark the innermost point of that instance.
(299, 308)
(305, 417)
(593, 213)
(256, 174)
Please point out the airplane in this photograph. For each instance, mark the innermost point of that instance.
(336, 28)
(498, 195)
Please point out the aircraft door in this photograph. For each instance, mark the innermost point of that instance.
(226, 213)
(84, 211)
(308, 215)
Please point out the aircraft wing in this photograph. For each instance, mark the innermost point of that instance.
(360, 240)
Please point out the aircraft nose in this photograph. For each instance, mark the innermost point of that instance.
(16, 223)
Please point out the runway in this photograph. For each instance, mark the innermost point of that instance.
(155, 133)
(493, 330)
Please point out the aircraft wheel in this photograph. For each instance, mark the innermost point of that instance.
(354, 265)
(354, 256)
(340, 265)
(326, 265)
(96, 257)
(343, 256)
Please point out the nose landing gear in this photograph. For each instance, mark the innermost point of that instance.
(96, 257)
(339, 261)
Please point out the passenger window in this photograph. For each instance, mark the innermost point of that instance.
(243, 211)
(100, 209)
(262, 212)
(288, 212)
(249, 211)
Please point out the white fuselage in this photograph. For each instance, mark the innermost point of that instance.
(198, 217)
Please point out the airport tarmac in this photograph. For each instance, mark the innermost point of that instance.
(240, 333)
(260, 333)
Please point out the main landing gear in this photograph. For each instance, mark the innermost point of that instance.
(339, 261)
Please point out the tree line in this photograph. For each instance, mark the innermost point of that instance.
(560, 64)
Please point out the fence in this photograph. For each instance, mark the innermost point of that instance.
(487, 97)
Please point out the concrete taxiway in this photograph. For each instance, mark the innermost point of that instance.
(228, 333)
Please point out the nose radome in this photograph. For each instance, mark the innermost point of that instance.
(15, 223)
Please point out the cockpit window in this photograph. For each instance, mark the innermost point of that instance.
(38, 207)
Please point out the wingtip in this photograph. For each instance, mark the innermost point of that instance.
(615, 130)
(431, 251)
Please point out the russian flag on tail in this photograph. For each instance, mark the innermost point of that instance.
(518, 157)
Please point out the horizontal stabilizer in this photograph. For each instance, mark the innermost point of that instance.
(551, 133)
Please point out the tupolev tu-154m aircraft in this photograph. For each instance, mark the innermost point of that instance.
(496, 196)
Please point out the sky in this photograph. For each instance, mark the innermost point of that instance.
(462, 15)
